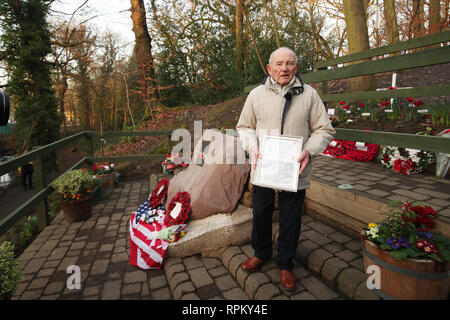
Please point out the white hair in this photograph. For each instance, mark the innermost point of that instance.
(292, 51)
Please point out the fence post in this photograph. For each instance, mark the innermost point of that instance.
(322, 87)
(169, 151)
(42, 207)
(91, 143)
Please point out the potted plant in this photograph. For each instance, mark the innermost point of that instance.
(105, 172)
(414, 261)
(75, 189)
(9, 275)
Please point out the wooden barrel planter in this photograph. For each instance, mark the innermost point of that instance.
(411, 279)
(77, 210)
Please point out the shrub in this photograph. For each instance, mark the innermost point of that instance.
(9, 276)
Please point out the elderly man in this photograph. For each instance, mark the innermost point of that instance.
(282, 104)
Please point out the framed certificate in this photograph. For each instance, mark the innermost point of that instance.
(278, 168)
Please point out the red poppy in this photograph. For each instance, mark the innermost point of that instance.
(410, 99)
(342, 103)
(404, 167)
(385, 103)
(346, 107)
(392, 88)
(361, 105)
(418, 103)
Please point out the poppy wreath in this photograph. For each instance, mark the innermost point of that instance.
(157, 196)
(185, 199)
(344, 149)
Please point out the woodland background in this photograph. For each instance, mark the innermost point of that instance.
(63, 75)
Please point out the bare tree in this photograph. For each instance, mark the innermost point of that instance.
(239, 38)
(143, 54)
(390, 18)
(358, 40)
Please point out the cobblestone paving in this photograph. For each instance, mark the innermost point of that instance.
(328, 263)
(99, 247)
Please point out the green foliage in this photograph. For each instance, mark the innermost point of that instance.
(25, 40)
(406, 232)
(440, 113)
(74, 184)
(26, 235)
(197, 62)
(9, 275)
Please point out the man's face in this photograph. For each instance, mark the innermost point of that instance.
(283, 67)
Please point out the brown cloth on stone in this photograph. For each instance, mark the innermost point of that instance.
(218, 184)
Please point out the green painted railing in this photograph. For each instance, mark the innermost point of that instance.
(404, 60)
(43, 189)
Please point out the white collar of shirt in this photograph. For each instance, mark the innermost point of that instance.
(282, 90)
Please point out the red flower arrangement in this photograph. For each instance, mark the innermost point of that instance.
(185, 200)
(404, 166)
(346, 107)
(421, 215)
(361, 105)
(410, 99)
(405, 161)
(418, 103)
(342, 103)
(159, 193)
(385, 103)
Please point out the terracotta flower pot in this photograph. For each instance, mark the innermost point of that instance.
(77, 210)
(411, 279)
(107, 179)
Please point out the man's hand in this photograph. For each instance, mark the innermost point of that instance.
(304, 160)
(254, 155)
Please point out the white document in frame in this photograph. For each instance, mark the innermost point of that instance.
(278, 166)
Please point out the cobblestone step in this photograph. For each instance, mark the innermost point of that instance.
(328, 266)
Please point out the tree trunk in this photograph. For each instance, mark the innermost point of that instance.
(62, 88)
(274, 21)
(143, 52)
(435, 17)
(390, 18)
(239, 39)
(358, 40)
(417, 19)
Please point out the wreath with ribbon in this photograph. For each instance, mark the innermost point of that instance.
(347, 150)
(158, 195)
(406, 161)
(185, 200)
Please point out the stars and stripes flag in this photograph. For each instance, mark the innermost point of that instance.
(146, 250)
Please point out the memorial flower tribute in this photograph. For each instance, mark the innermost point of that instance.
(406, 161)
(102, 168)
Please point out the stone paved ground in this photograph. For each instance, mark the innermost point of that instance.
(328, 263)
(99, 246)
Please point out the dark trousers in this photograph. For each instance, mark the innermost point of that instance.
(27, 177)
(290, 205)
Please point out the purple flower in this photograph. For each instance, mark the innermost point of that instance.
(425, 234)
(394, 243)
(404, 242)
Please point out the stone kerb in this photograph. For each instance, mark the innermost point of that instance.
(214, 232)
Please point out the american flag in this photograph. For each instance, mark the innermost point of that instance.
(146, 250)
(148, 214)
